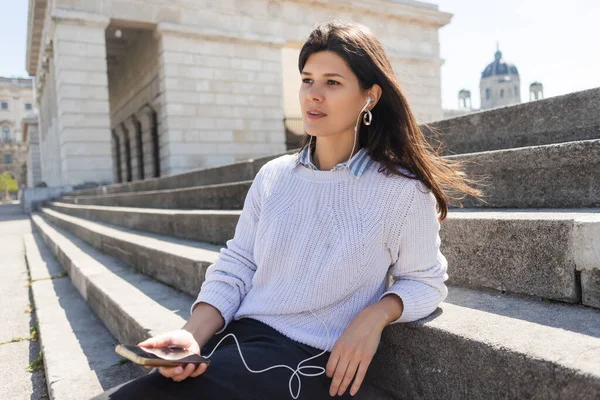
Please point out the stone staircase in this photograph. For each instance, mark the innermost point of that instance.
(521, 321)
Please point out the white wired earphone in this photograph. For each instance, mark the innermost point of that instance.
(299, 368)
(369, 100)
(356, 128)
(295, 372)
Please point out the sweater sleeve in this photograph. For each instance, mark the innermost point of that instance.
(419, 268)
(229, 278)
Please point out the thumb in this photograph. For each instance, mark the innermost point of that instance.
(157, 341)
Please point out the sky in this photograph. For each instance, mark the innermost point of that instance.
(13, 37)
(552, 42)
(555, 43)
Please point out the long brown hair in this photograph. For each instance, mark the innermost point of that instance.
(394, 138)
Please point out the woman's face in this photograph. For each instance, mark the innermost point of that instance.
(330, 88)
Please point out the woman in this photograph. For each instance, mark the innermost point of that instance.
(302, 282)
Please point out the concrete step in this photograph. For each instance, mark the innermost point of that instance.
(551, 176)
(243, 170)
(563, 175)
(476, 345)
(131, 305)
(78, 350)
(557, 119)
(210, 226)
(486, 345)
(551, 253)
(219, 196)
(178, 263)
(548, 253)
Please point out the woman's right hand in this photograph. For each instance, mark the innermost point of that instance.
(179, 338)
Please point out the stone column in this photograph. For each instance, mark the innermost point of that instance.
(146, 118)
(140, 148)
(126, 170)
(221, 97)
(116, 156)
(50, 151)
(131, 131)
(82, 96)
(34, 166)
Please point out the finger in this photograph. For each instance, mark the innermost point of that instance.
(334, 358)
(200, 370)
(360, 376)
(340, 372)
(187, 370)
(158, 341)
(350, 372)
(169, 372)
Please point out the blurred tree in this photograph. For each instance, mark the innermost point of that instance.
(7, 184)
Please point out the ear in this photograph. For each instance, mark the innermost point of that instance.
(375, 94)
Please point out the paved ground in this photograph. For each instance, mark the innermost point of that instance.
(17, 351)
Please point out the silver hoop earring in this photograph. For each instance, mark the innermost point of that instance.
(367, 117)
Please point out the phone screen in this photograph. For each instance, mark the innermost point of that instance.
(174, 354)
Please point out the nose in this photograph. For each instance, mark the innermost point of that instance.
(314, 94)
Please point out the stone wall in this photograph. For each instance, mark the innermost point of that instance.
(50, 152)
(221, 100)
(82, 98)
(33, 197)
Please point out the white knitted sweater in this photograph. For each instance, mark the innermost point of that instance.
(325, 241)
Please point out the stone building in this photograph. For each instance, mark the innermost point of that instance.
(500, 83)
(16, 100)
(132, 90)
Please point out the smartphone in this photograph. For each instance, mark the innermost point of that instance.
(159, 357)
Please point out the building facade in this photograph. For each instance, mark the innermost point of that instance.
(133, 90)
(16, 101)
(500, 83)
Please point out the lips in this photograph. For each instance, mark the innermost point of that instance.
(315, 116)
(313, 113)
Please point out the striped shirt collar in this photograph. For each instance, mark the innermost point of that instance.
(359, 163)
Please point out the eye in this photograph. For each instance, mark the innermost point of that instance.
(330, 81)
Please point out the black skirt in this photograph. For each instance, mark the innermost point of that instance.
(228, 379)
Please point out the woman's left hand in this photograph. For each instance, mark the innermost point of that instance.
(354, 351)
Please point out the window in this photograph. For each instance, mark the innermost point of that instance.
(8, 159)
(5, 134)
(4, 105)
(28, 106)
(487, 93)
(516, 90)
(501, 93)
